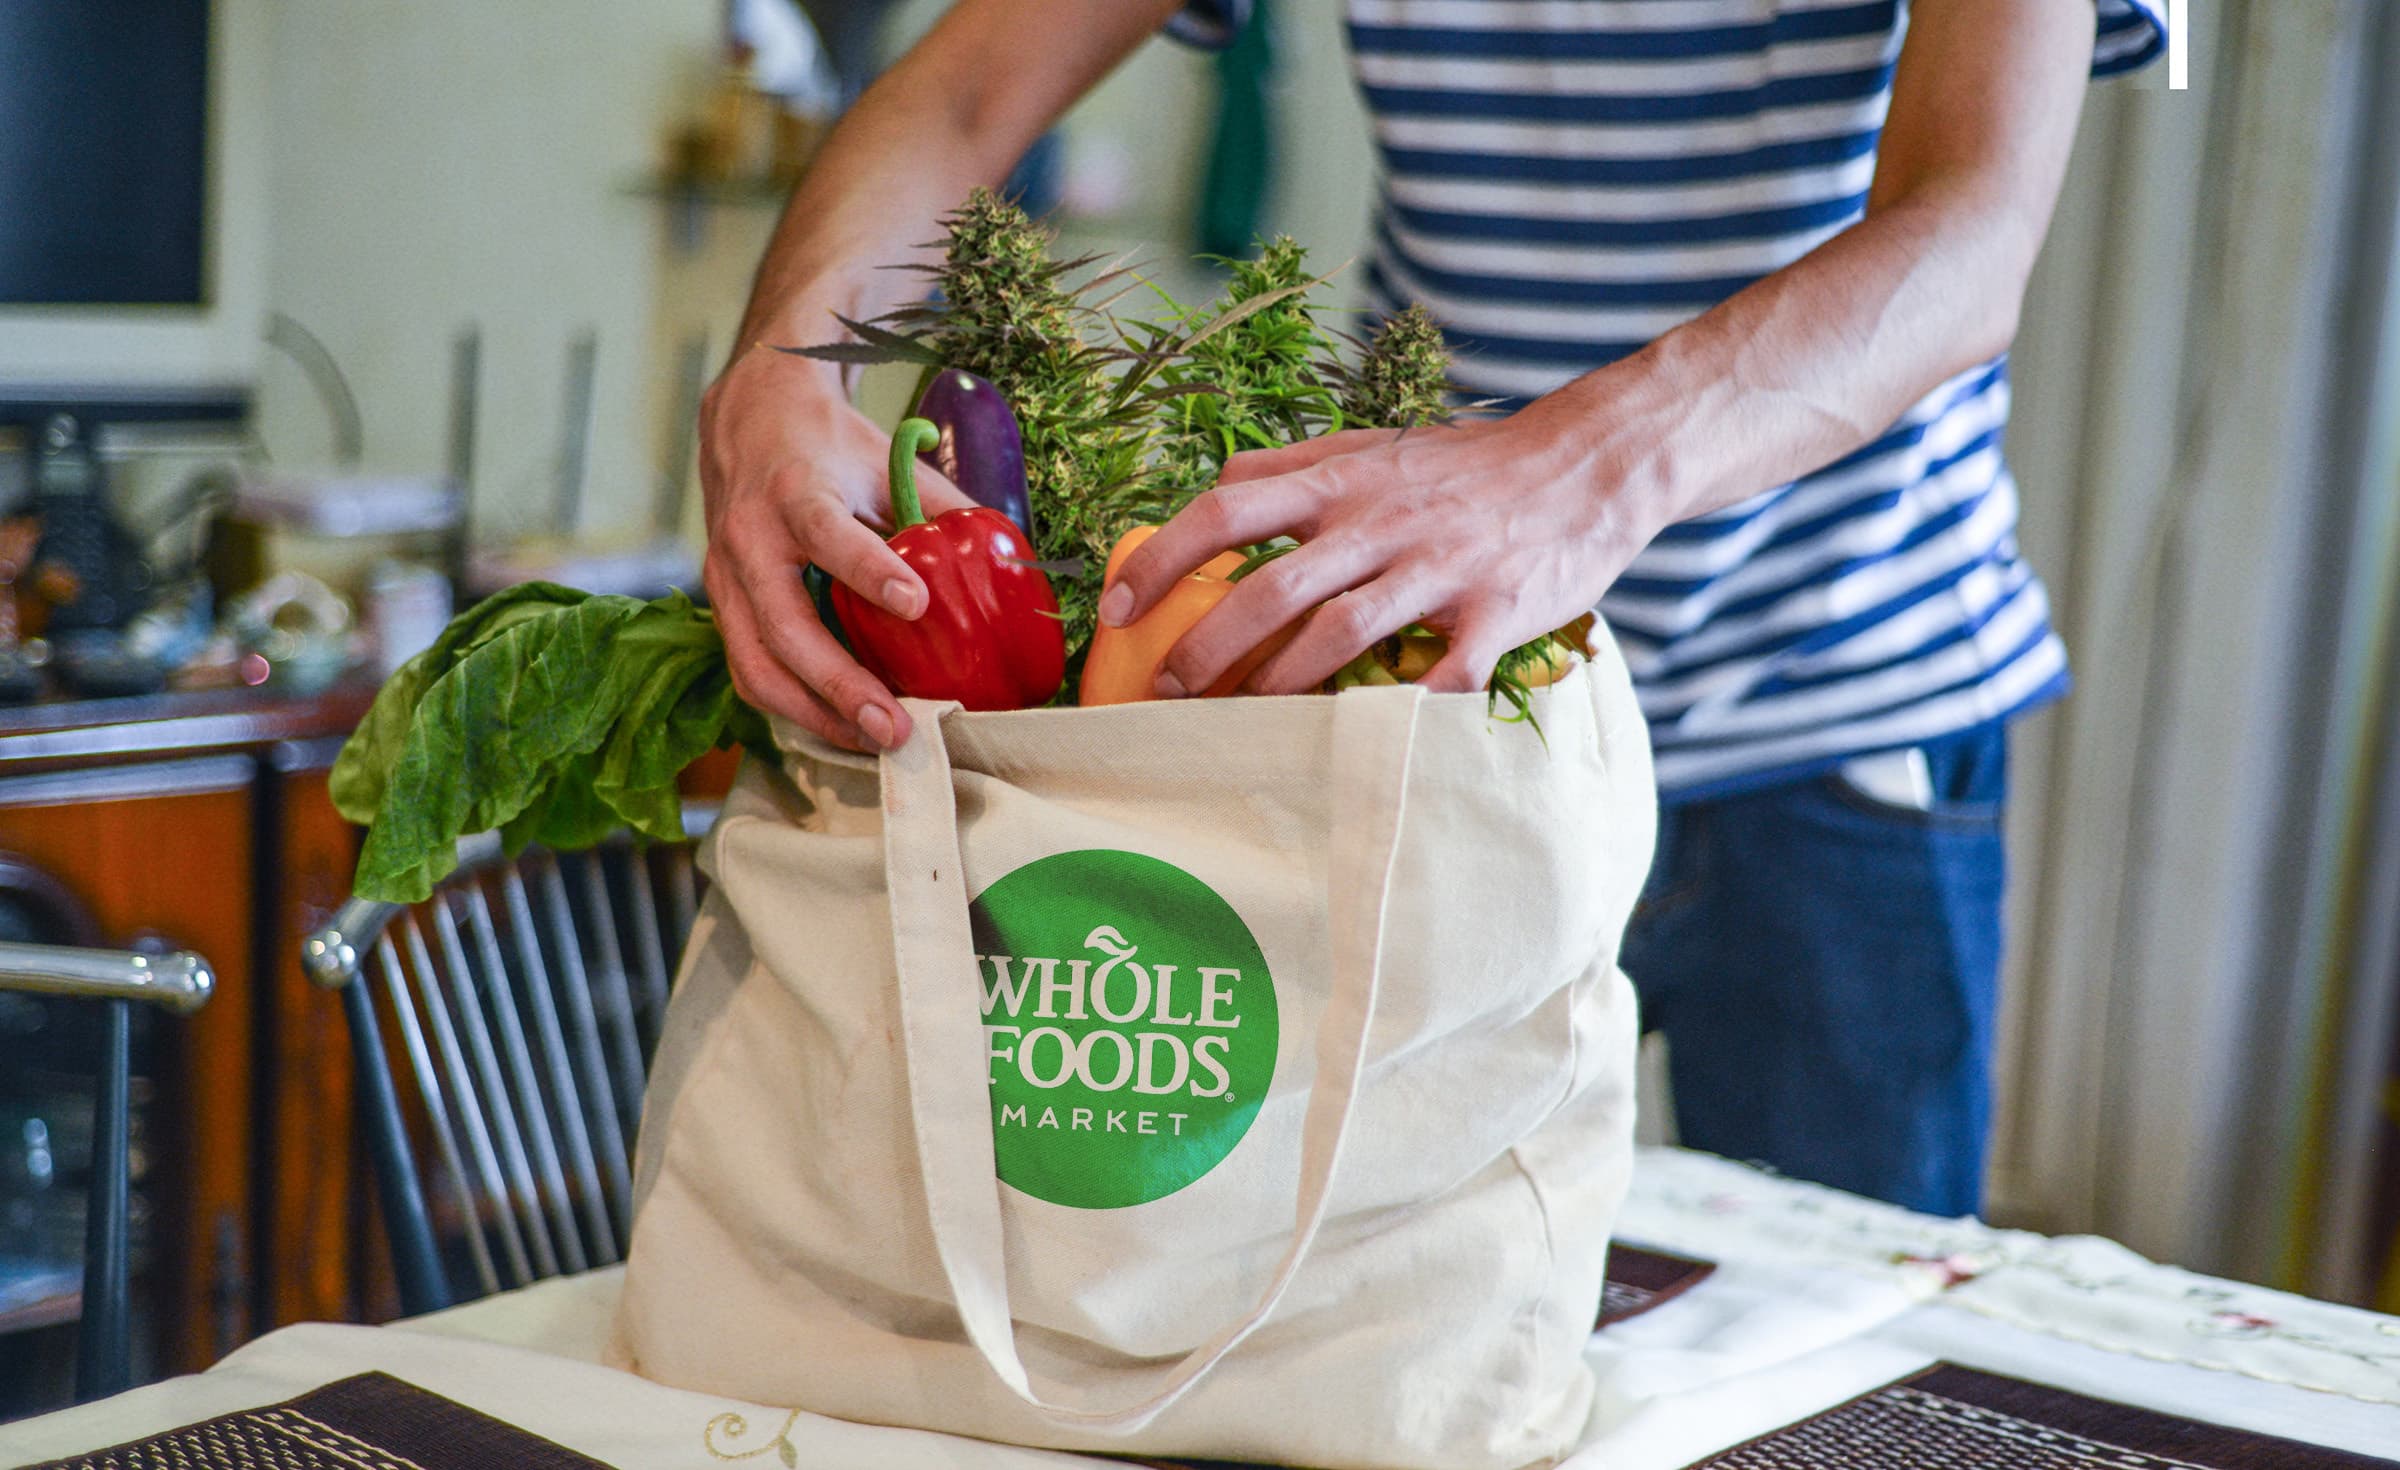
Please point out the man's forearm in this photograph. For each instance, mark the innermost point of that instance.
(958, 110)
(1812, 362)
(1817, 359)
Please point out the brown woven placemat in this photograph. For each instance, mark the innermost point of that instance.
(1953, 1418)
(1637, 1280)
(370, 1422)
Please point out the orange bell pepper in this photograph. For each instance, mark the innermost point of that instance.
(1124, 663)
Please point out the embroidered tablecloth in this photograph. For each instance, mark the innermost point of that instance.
(1825, 1316)
(2074, 1288)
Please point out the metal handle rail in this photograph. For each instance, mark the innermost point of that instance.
(334, 953)
(180, 983)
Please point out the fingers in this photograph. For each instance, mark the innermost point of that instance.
(764, 683)
(1215, 522)
(823, 532)
(1260, 464)
(783, 659)
(1475, 647)
(1343, 629)
(937, 493)
(788, 467)
(1261, 493)
(1269, 599)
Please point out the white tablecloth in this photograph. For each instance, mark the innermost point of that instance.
(1818, 1297)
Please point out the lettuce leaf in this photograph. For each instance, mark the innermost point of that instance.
(556, 716)
(357, 780)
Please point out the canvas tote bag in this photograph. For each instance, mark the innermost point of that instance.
(1241, 1078)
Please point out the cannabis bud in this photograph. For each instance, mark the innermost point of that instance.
(1403, 381)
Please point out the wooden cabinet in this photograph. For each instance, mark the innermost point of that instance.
(313, 1198)
(202, 820)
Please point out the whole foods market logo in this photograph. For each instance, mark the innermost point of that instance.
(1129, 1025)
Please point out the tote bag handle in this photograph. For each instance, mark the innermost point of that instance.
(941, 1018)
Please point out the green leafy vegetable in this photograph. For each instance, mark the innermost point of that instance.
(555, 716)
(357, 783)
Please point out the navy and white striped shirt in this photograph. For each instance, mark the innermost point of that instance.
(1565, 180)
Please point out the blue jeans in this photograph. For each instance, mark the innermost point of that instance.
(1825, 966)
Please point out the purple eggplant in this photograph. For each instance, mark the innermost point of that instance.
(980, 450)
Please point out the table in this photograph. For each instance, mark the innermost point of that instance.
(1815, 1298)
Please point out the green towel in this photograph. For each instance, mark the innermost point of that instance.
(1241, 147)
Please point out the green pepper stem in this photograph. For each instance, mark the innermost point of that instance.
(916, 395)
(912, 438)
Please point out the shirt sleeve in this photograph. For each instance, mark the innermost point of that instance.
(1210, 25)
(2132, 34)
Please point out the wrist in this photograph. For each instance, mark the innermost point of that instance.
(1619, 434)
(757, 356)
(789, 309)
(791, 323)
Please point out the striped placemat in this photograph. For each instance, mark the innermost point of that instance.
(371, 1422)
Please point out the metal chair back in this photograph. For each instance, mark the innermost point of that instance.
(525, 997)
(117, 980)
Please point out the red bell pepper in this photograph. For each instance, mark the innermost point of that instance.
(990, 635)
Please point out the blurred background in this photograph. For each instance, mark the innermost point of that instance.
(377, 303)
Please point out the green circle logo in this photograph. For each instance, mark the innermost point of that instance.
(1129, 1027)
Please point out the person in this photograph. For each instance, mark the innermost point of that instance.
(1747, 272)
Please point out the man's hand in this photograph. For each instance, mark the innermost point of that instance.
(794, 475)
(1497, 532)
(1492, 533)
(788, 467)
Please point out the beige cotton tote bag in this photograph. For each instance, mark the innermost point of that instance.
(1243, 1078)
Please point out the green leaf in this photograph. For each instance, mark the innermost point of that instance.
(748, 729)
(565, 815)
(669, 718)
(912, 348)
(1176, 346)
(486, 738)
(1248, 308)
(559, 725)
(359, 774)
(847, 352)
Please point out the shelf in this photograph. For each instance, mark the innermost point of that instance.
(175, 723)
(739, 193)
(692, 201)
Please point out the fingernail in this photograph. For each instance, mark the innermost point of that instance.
(1168, 686)
(876, 725)
(1116, 604)
(904, 599)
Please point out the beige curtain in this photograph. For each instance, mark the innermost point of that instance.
(2194, 490)
(2342, 1230)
